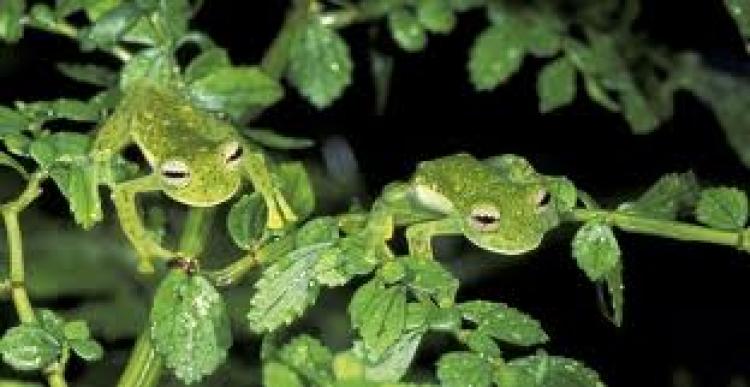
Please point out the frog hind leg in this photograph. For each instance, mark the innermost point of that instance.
(124, 197)
(279, 211)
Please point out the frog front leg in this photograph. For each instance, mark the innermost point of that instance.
(279, 211)
(419, 236)
(124, 197)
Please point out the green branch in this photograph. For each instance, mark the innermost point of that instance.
(144, 368)
(63, 28)
(19, 295)
(665, 228)
(235, 271)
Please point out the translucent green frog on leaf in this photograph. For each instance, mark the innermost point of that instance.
(500, 204)
(196, 159)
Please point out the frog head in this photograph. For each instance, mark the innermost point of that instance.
(512, 221)
(204, 175)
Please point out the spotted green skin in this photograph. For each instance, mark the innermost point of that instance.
(167, 128)
(456, 185)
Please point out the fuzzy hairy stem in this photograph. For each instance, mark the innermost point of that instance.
(665, 228)
(55, 373)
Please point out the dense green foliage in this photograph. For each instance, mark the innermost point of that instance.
(199, 307)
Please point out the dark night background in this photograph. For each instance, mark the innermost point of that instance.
(685, 303)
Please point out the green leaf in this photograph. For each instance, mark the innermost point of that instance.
(319, 63)
(89, 73)
(723, 208)
(234, 90)
(638, 111)
(504, 323)
(319, 230)
(459, 369)
(711, 87)
(11, 12)
(285, 289)
(556, 85)
(740, 11)
(481, 343)
(52, 323)
(207, 62)
(76, 330)
(544, 33)
(596, 250)
(12, 122)
(445, 319)
(43, 17)
(296, 187)
(279, 375)
(308, 357)
(112, 25)
(431, 278)
(96, 8)
(379, 314)
(436, 15)
(173, 16)
(496, 54)
(378, 8)
(65, 156)
(190, 326)
(395, 362)
(29, 347)
(391, 272)
(347, 366)
(246, 220)
(67, 109)
(564, 193)
(547, 371)
(406, 30)
(352, 255)
(271, 139)
(88, 350)
(666, 198)
(153, 64)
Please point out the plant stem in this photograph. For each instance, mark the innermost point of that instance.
(19, 295)
(234, 272)
(145, 366)
(666, 228)
(68, 30)
(195, 231)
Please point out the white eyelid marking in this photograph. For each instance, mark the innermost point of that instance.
(485, 218)
(232, 153)
(175, 173)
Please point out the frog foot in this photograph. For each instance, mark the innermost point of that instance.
(280, 213)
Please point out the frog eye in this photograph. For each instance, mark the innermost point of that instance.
(175, 173)
(484, 218)
(542, 198)
(232, 153)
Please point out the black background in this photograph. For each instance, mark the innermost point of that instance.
(685, 303)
